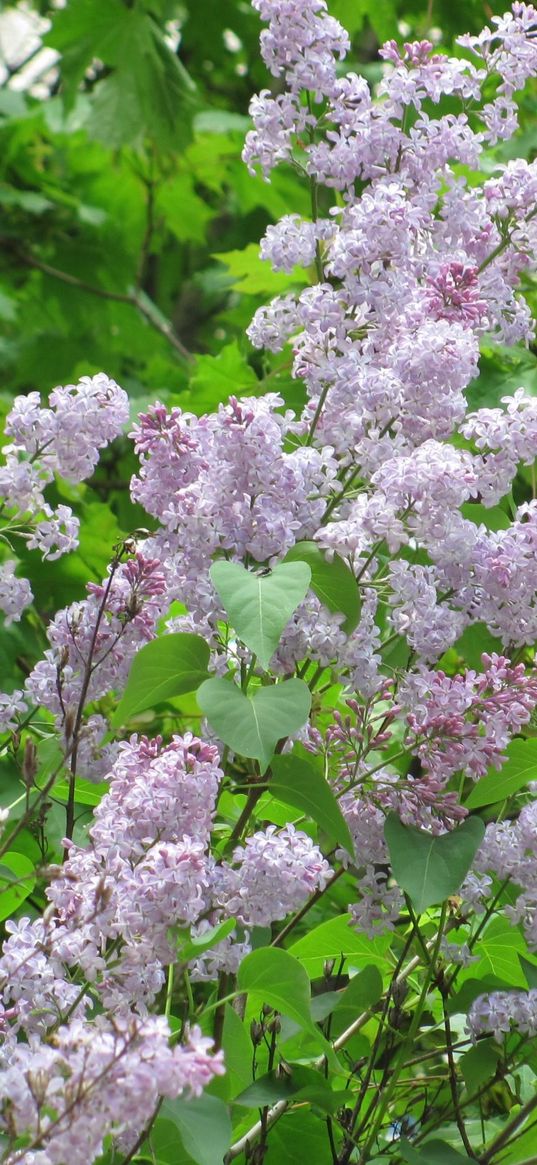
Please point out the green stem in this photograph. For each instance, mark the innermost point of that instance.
(408, 1042)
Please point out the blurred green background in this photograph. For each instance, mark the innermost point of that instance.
(129, 225)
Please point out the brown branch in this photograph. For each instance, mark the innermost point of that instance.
(136, 299)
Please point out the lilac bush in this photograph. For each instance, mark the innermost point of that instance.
(386, 620)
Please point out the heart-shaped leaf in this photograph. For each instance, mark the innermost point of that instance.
(332, 581)
(165, 667)
(253, 725)
(260, 606)
(299, 784)
(429, 868)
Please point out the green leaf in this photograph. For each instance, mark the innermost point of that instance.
(530, 971)
(274, 976)
(83, 30)
(474, 641)
(333, 582)
(254, 276)
(439, 1153)
(86, 792)
(300, 1084)
(17, 880)
(429, 868)
(237, 1049)
(493, 517)
(165, 667)
(297, 1139)
(299, 784)
(204, 1126)
(363, 991)
(26, 199)
(193, 947)
(497, 947)
(335, 939)
(478, 1064)
(146, 87)
(253, 725)
(519, 768)
(260, 606)
(215, 378)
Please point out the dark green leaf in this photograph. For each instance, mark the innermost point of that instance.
(519, 768)
(237, 1048)
(530, 971)
(166, 667)
(363, 991)
(299, 1083)
(333, 582)
(299, 784)
(429, 868)
(493, 517)
(479, 1063)
(204, 1126)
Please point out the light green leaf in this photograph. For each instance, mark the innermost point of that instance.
(253, 725)
(497, 948)
(215, 378)
(165, 667)
(86, 792)
(299, 784)
(275, 977)
(254, 276)
(204, 1126)
(260, 606)
(335, 939)
(25, 199)
(17, 880)
(333, 582)
(429, 868)
(194, 946)
(519, 768)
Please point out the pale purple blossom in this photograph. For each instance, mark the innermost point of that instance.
(15, 593)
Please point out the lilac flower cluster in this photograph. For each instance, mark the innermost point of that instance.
(92, 644)
(509, 851)
(63, 439)
(110, 924)
(501, 1011)
(463, 723)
